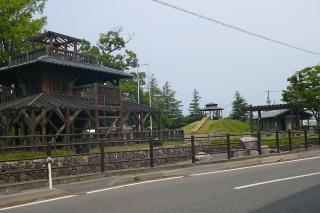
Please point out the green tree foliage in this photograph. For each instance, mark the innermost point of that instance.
(155, 91)
(171, 107)
(194, 107)
(238, 108)
(17, 23)
(130, 87)
(111, 50)
(304, 87)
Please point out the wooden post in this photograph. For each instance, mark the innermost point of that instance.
(277, 142)
(193, 150)
(151, 152)
(259, 121)
(291, 118)
(319, 136)
(251, 122)
(102, 155)
(259, 142)
(49, 147)
(228, 146)
(68, 127)
(74, 55)
(290, 140)
(306, 145)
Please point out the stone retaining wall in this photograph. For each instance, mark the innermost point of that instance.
(76, 165)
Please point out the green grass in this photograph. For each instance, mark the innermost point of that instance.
(225, 126)
(19, 155)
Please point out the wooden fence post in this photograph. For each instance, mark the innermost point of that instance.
(290, 140)
(193, 150)
(151, 152)
(102, 155)
(277, 142)
(259, 142)
(306, 145)
(228, 146)
(49, 147)
(319, 136)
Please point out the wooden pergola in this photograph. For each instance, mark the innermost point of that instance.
(293, 107)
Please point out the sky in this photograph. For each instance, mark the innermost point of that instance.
(192, 53)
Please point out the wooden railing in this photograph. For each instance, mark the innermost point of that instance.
(7, 94)
(55, 53)
(105, 95)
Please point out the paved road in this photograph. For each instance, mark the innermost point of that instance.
(285, 187)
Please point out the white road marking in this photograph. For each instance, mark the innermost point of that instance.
(256, 166)
(178, 177)
(277, 180)
(37, 202)
(133, 184)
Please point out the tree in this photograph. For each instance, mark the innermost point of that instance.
(239, 108)
(194, 107)
(304, 87)
(17, 23)
(130, 88)
(111, 50)
(171, 107)
(155, 91)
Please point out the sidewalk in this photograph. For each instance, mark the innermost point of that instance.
(68, 186)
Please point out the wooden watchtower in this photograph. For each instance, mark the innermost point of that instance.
(53, 90)
(212, 111)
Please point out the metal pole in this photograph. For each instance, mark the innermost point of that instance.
(138, 88)
(150, 102)
(49, 161)
(49, 175)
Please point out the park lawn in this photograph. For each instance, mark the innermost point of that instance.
(20, 155)
(220, 126)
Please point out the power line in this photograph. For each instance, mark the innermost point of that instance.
(235, 27)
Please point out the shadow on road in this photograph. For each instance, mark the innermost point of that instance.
(304, 201)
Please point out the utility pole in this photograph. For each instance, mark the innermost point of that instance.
(268, 97)
(150, 101)
(138, 94)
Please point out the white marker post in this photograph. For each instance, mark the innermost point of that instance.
(49, 161)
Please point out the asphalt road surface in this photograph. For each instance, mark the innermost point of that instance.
(284, 187)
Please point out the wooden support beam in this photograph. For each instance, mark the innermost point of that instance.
(27, 119)
(43, 127)
(68, 125)
(60, 114)
(146, 117)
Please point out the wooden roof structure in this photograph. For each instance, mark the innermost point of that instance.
(55, 39)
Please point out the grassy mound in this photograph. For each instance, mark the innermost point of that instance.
(224, 126)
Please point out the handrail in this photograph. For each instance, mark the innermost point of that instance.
(55, 53)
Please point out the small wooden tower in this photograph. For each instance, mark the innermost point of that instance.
(212, 111)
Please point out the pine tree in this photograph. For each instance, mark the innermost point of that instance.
(239, 108)
(171, 107)
(194, 107)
